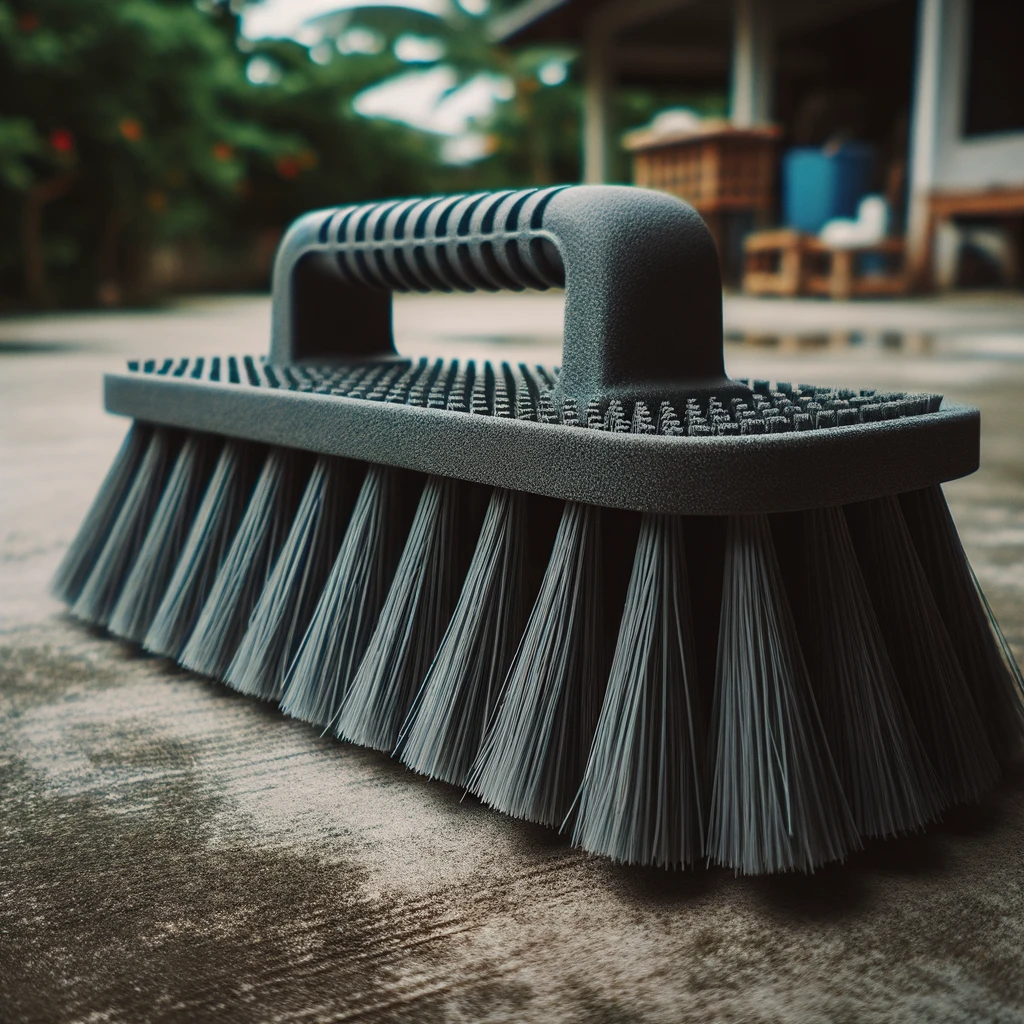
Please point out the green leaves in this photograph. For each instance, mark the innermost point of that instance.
(19, 141)
(128, 125)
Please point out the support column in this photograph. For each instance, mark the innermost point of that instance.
(924, 140)
(753, 64)
(596, 101)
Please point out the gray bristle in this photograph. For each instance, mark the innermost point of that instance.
(242, 577)
(347, 611)
(478, 404)
(983, 653)
(643, 422)
(931, 677)
(524, 402)
(103, 587)
(776, 801)
(570, 413)
(85, 549)
(444, 729)
(502, 404)
(615, 417)
(888, 780)
(668, 419)
(642, 797)
(286, 605)
(412, 621)
(206, 547)
(144, 589)
(546, 411)
(533, 756)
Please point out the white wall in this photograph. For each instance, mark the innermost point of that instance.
(957, 162)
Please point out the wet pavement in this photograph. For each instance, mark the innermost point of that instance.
(172, 851)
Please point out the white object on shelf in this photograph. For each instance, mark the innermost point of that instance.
(870, 227)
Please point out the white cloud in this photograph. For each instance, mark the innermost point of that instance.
(285, 18)
(418, 98)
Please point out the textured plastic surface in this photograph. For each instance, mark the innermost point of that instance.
(464, 422)
(641, 414)
(643, 306)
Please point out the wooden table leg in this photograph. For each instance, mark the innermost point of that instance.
(840, 281)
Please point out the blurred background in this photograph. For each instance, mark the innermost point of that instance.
(836, 147)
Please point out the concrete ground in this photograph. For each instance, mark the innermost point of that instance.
(172, 851)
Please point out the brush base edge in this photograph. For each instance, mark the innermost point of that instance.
(682, 475)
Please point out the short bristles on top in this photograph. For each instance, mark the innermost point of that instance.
(561, 660)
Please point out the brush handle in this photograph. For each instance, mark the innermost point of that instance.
(643, 298)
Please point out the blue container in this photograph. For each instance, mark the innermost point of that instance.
(818, 185)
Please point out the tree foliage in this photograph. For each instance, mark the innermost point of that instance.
(134, 127)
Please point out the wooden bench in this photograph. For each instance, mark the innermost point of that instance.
(789, 263)
(1003, 202)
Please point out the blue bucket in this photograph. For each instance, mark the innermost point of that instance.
(818, 185)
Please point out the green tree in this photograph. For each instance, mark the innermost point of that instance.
(127, 123)
(532, 134)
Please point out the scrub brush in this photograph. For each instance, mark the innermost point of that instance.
(684, 618)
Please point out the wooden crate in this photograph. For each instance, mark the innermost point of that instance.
(718, 169)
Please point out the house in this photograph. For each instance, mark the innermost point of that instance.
(937, 86)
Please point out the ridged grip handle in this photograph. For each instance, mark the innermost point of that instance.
(643, 301)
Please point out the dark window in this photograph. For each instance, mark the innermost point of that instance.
(995, 75)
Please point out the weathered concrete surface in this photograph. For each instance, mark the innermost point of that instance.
(171, 851)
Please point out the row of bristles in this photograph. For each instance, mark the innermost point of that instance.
(471, 676)
(527, 394)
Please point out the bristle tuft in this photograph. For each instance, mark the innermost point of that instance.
(99, 595)
(931, 678)
(248, 564)
(412, 621)
(85, 549)
(777, 803)
(642, 798)
(285, 607)
(144, 589)
(445, 727)
(347, 611)
(208, 542)
(988, 665)
(533, 756)
(888, 780)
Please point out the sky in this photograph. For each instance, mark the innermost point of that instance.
(286, 17)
